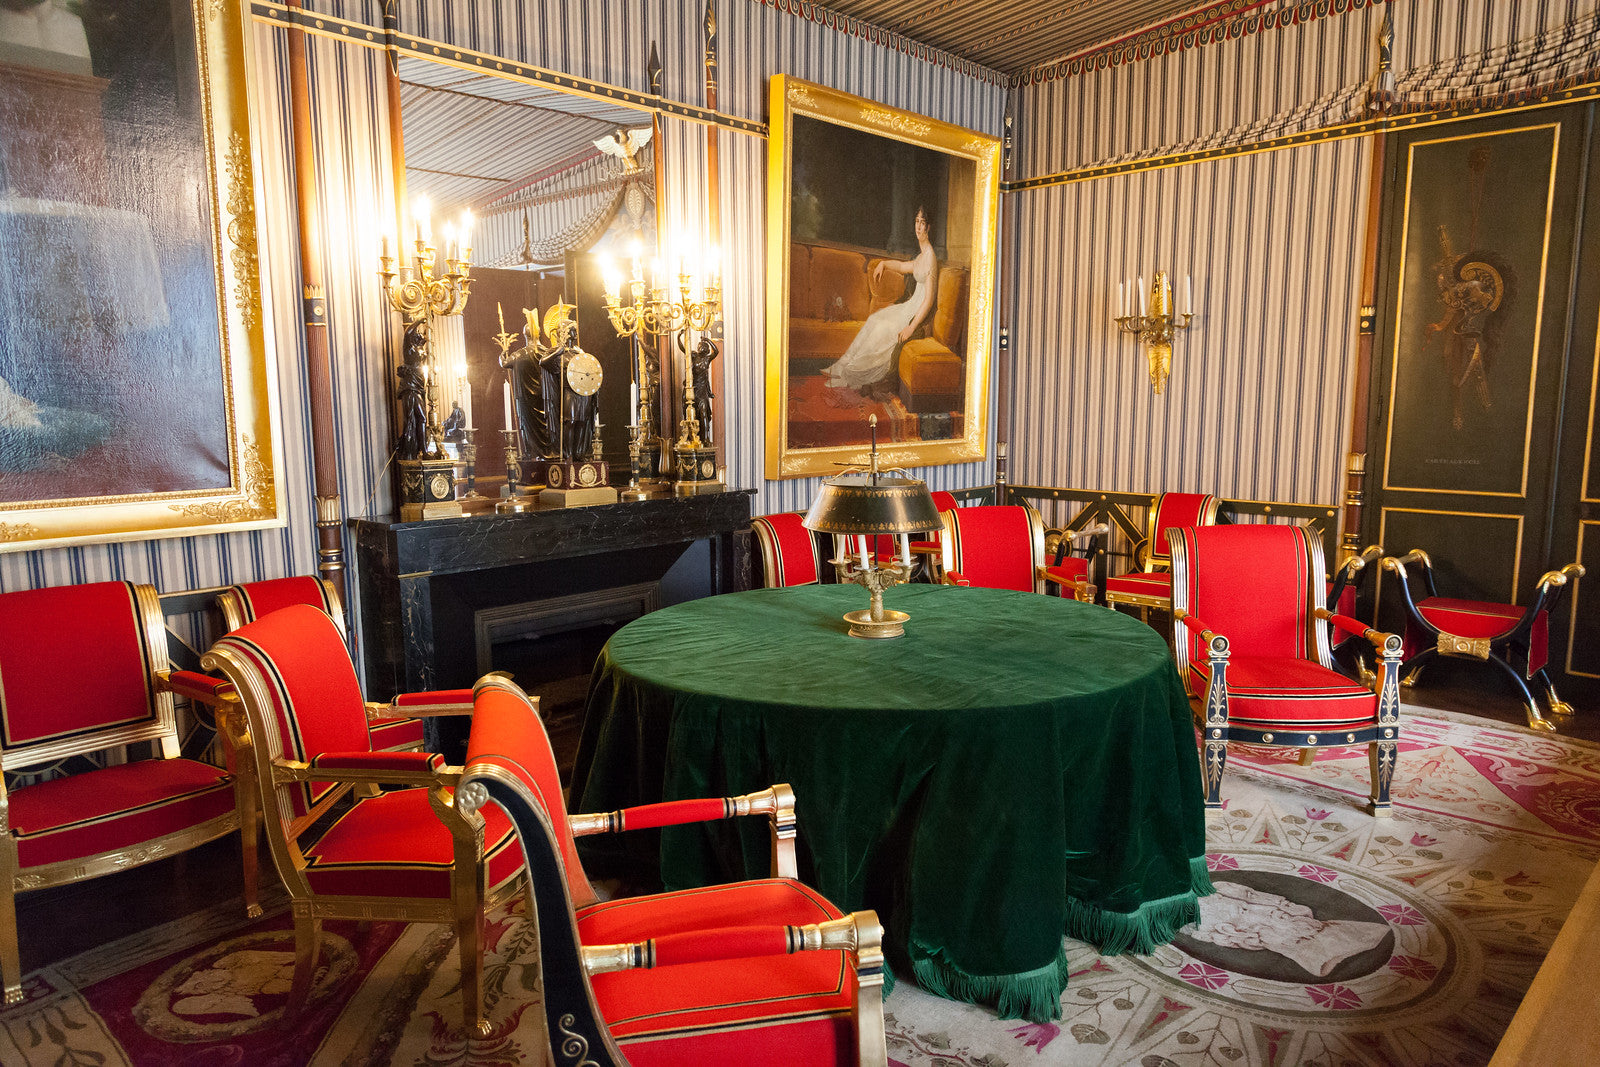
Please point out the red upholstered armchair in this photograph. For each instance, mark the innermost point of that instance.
(789, 553)
(1252, 637)
(405, 854)
(754, 973)
(1515, 639)
(1151, 585)
(1002, 547)
(252, 600)
(84, 670)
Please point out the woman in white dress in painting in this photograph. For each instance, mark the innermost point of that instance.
(871, 354)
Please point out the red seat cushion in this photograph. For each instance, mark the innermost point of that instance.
(117, 807)
(393, 845)
(1156, 585)
(762, 1010)
(1482, 618)
(1266, 692)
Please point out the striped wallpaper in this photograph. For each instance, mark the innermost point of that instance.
(1264, 350)
(1258, 406)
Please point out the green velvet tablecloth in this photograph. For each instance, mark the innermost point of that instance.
(1015, 768)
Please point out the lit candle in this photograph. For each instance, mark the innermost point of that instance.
(1188, 296)
(424, 231)
(905, 551)
(1141, 297)
(385, 252)
(505, 395)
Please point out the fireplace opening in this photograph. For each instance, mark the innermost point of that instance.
(549, 647)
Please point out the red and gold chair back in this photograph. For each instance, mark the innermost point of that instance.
(994, 546)
(404, 854)
(789, 553)
(250, 601)
(253, 600)
(84, 671)
(760, 973)
(1252, 639)
(1173, 511)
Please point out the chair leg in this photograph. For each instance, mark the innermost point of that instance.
(307, 947)
(1381, 757)
(1536, 721)
(10, 956)
(1411, 670)
(1211, 767)
(469, 940)
(1558, 708)
(250, 854)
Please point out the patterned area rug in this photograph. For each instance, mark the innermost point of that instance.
(1334, 938)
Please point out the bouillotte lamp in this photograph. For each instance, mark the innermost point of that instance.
(858, 504)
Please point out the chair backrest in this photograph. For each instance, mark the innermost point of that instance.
(250, 601)
(788, 551)
(77, 666)
(994, 546)
(300, 691)
(1256, 585)
(506, 764)
(508, 734)
(1172, 511)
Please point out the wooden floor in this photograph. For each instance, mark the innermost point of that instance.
(63, 921)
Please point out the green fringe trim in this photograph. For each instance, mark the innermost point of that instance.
(1031, 995)
(1200, 878)
(1155, 922)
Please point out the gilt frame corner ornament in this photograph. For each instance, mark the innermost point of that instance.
(175, 453)
(931, 394)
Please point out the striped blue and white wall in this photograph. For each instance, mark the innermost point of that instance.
(1258, 403)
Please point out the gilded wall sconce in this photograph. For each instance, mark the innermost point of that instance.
(1156, 322)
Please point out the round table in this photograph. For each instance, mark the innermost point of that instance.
(1015, 768)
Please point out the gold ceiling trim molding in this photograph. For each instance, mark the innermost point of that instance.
(368, 36)
(893, 40)
(1443, 114)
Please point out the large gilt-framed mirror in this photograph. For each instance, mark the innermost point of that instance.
(555, 181)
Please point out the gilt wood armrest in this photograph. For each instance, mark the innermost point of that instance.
(858, 933)
(197, 686)
(1207, 634)
(423, 705)
(359, 768)
(1353, 626)
(777, 803)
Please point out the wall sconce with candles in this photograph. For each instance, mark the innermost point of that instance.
(1156, 323)
(429, 287)
(655, 307)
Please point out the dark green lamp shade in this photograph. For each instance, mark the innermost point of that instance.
(873, 504)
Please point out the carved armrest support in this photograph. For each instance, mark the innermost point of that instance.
(858, 933)
(1557, 579)
(1395, 564)
(1356, 564)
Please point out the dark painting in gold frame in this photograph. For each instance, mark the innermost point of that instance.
(852, 184)
(136, 392)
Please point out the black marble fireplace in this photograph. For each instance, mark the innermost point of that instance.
(439, 598)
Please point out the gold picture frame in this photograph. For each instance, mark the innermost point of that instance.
(138, 394)
(851, 184)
